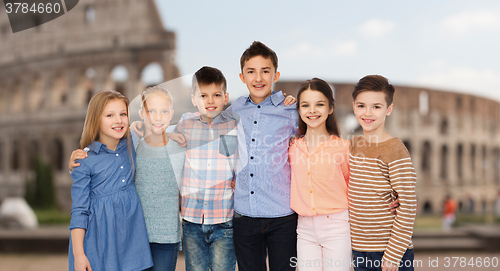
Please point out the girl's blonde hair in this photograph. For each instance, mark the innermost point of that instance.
(94, 114)
(153, 90)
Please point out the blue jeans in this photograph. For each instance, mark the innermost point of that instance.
(365, 261)
(254, 238)
(164, 256)
(208, 246)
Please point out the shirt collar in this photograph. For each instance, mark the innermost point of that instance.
(276, 98)
(220, 118)
(97, 146)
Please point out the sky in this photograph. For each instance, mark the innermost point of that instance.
(449, 45)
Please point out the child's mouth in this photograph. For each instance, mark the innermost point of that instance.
(157, 126)
(313, 117)
(118, 129)
(211, 108)
(368, 120)
(259, 86)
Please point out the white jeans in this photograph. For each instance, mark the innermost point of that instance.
(324, 242)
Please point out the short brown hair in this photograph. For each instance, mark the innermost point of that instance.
(206, 76)
(259, 49)
(375, 83)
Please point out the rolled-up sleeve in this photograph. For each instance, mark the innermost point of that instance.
(80, 194)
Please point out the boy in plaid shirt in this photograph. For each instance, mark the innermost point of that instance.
(209, 171)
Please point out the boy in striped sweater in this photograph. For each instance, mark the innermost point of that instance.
(380, 166)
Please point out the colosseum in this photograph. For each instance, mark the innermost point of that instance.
(452, 138)
(48, 74)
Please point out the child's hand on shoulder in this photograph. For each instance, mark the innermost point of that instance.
(76, 154)
(289, 100)
(179, 138)
(138, 128)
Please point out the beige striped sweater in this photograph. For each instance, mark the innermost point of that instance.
(377, 170)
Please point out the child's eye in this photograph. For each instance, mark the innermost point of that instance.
(165, 112)
(203, 95)
(109, 115)
(151, 111)
(217, 95)
(124, 114)
(304, 105)
(377, 107)
(249, 71)
(361, 106)
(266, 71)
(320, 104)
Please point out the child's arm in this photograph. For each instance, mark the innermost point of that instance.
(80, 193)
(177, 137)
(289, 100)
(81, 261)
(402, 177)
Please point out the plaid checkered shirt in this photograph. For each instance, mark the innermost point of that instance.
(211, 158)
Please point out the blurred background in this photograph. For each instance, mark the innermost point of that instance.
(441, 56)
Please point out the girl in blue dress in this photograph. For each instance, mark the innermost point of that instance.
(108, 231)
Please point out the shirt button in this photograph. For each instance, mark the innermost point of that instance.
(255, 122)
(258, 106)
(210, 126)
(251, 192)
(308, 173)
(121, 167)
(314, 209)
(117, 154)
(205, 203)
(208, 165)
(251, 157)
(123, 181)
(253, 139)
(311, 191)
(251, 174)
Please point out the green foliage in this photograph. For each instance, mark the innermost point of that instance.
(40, 192)
(52, 216)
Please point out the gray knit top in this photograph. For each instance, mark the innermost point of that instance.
(158, 174)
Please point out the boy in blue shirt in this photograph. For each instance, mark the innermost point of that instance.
(263, 220)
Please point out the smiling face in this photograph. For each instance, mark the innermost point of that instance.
(210, 101)
(157, 113)
(259, 74)
(114, 122)
(314, 109)
(370, 108)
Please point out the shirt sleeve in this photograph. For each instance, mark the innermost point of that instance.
(80, 194)
(345, 164)
(403, 178)
(294, 118)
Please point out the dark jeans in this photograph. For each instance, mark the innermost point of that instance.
(164, 256)
(367, 261)
(253, 237)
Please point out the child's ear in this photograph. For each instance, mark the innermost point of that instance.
(331, 110)
(276, 76)
(242, 78)
(389, 109)
(226, 98)
(141, 113)
(354, 107)
(193, 100)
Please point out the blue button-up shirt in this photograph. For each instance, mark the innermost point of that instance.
(263, 176)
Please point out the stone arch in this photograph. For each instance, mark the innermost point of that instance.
(118, 78)
(496, 165)
(15, 156)
(427, 209)
(443, 126)
(17, 101)
(59, 92)
(33, 152)
(57, 154)
(3, 99)
(85, 87)
(460, 159)
(90, 14)
(426, 157)
(443, 170)
(152, 74)
(36, 94)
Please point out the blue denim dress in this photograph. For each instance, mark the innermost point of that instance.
(106, 205)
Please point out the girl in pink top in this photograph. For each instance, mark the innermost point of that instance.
(319, 162)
